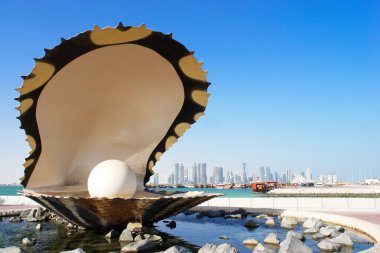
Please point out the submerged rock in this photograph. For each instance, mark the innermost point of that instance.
(138, 246)
(224, 237)
(250, 242)
(28, 241)
(211, 214)
(251, 224)
(261, 249)
(270, 222)
(272, 238)
(313, 223)
(328, 246)
(172, 224)
(293, 245)
(38, 226)
(234, 216)
(208, 248)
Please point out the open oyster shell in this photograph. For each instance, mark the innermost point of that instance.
(125, 93)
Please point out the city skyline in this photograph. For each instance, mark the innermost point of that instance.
(293, 84)
(182, 174)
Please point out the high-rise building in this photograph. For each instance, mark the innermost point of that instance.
(309, 176)
(194, 172)
(176, 173)
(268, 174)
(171, 179)
(186, 176)
(218, 175)
(181, 174)
(244, 176)
(262, 173)
(199, 178)
(204, 173)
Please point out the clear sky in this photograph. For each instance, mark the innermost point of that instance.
(295, 84)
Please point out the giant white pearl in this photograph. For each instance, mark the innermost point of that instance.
(112, 178)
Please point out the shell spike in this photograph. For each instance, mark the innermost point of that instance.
(46, 50)
(191, 52)
(170, 35)
(96, 28)
(36, 59)
(63, 40)
(120, 25)
(143, 25)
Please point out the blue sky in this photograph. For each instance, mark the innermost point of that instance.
(295, 84)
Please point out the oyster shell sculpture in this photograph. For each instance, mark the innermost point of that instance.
(99, 110)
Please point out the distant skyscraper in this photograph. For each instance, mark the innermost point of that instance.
(262, 173)
(204, 173)
(309, 176)
(244, 176)
(199, 178)
(176, 173)
(268, 174)
(181, 174)
(218, 175)
(186, 176)
(194, 173)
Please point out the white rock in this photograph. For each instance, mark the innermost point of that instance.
(134, 227)
(78, 250)
(208, 248)
(251, 242)
(138, 246)
(327, 231)
(270, 222)
(343, 239)
(310, 231)
(155, 238)
(272, 238)
(318, 236)
(293, 245)
(296, 235)
(38, 226)
(288, 222)
(28, 242)
(225, 248)
(11, 250)
(177, 249)
(313, 223)
(126, 236)
(261, 249)
(112, 234)
(328, 246)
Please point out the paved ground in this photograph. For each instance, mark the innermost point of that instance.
(371, 217)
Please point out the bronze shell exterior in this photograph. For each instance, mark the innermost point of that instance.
(187, 67)
(105, 213)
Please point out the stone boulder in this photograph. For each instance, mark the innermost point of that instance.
(172, 224)
(261, 216)
(224, 237)
(327, 231)
(313, 223)
(240, 211)
(78, 250)
(293, 245)
(28, 241)
(134, 227)
(38, 226)
(11, 250)
(225, 248)
(234, 216)
(155, 238)
(208, 248)
(288, 222)
(328, 246)
(261, 249)
(112, 234)
(177, 249)
(250, 242)
(318, 236)
(138, 246)
(251, 224)
(270, 222)
(126, 236)
(310, 231)
(343, 239)
(272, 238)
(299, 236)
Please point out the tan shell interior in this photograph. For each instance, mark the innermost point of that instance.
(116, 102)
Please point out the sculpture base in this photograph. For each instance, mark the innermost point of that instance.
(114, 213)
